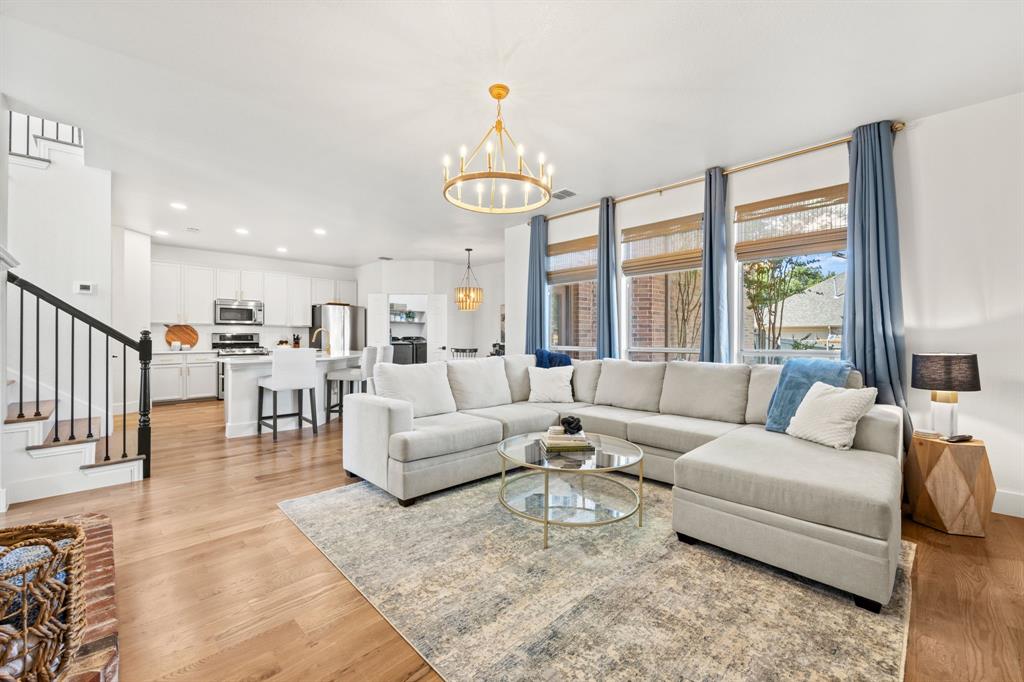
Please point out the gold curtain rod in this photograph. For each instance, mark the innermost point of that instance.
(897, 126)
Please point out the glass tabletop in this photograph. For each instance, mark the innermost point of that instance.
(609, 454)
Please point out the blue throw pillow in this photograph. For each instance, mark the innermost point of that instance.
(547, 359)
(798, 375)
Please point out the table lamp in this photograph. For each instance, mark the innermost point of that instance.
(944, 374)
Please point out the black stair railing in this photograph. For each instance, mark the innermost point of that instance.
(143, 346)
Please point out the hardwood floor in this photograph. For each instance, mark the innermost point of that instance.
(214, 583)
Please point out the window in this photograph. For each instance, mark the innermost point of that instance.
(792, 255)
(572, 297)
(662, 264)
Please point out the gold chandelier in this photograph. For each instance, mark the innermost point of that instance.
(468, 294)
(494, 188)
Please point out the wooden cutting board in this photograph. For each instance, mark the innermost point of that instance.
(185, 334)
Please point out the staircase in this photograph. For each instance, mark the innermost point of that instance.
(62, 438)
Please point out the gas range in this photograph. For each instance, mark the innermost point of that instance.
(243, 351)
(246, 343)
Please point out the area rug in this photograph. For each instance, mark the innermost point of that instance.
(470, 588)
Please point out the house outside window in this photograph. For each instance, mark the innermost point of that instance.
(661, 262)
(792, 256)
(572, 297)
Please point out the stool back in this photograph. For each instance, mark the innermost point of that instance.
(294, 368)
(367, 361)
(386, 353)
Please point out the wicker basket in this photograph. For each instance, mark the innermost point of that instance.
(42, 604)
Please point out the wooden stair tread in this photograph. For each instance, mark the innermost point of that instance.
(46, 408)
(113, 460)
(63, 431)
(116, 448)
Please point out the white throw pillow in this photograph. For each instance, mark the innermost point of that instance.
(479, 382)
(423, 385)
(584, 379)
(829, 414)
(551, 385)
(518, 378)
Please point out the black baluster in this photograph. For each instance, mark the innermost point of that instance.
(38, 413)
(124, 400)
(71, 436)
(56, 374)
(145, 356)
(89, 384)
(106, 400)
(21, 355)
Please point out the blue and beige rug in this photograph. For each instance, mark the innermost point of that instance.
(468, 585)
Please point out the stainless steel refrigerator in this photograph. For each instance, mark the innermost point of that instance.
(344, 327)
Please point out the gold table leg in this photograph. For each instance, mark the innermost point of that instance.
(546, 513)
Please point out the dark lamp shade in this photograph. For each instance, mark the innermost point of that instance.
(946, 372)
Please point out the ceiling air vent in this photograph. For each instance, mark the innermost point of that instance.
(563, 194)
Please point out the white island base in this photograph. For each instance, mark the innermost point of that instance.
(240, 396)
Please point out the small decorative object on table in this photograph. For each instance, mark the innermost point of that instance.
(42, 606)
(950, 485)
(572, 425)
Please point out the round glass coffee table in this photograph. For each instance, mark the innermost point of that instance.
(571, 488)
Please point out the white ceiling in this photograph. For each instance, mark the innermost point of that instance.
(281, 117)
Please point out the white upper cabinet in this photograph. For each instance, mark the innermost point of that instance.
(200, 290)
(228, 284)
(345, 292)
(165, 301)
(322, 290)
(251, 285)
(275, 299)
(300, 301)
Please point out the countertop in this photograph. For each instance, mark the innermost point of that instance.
(182, 352)
(266, 359)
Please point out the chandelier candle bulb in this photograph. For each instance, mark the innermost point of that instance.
(462, 159)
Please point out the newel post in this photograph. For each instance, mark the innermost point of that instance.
(145, 358)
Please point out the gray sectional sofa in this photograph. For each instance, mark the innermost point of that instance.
(830, 515)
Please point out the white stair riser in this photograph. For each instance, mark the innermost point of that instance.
(73, 482)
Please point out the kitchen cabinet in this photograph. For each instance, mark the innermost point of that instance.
(199, 292)
(300, 301)
(165, 297)
(345, 292)
(167, 382)
(229, 284)
(201, 380)
(251, 285)
(322, 291)
(275, 300)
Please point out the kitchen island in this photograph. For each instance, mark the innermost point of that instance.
(240, 392)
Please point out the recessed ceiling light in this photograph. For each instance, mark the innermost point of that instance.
(319, 231)
(385, 258)
(191, 229)
(282, 249)
(241, 230)
(161, 233)
(178, 206)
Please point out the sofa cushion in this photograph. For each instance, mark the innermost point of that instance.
(632, 385)
(608, 420)
(551, 385)
(829, 415)
(423, 385)
(517, 373)
(585, 374)
(706, 390)
(853, 490)
(442, 434)
(679, 434)
(764, 379)
(479, 382)
(518, 418)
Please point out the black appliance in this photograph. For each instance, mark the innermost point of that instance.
(419, 348)
(409, 350)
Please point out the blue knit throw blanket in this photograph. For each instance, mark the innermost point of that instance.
(798, 375)
(546, 359)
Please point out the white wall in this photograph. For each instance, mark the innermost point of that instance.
(487, 319)
(59, 227)
(517, 267)
(960, 193)
(130, 303)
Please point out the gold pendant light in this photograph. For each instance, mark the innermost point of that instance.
(468, 294)
(493, 187)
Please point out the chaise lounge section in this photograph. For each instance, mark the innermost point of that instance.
(830, 515)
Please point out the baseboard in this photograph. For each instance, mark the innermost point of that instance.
(3, 499)
(1009, 502)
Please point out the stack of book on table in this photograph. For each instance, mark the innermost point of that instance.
(557, 440)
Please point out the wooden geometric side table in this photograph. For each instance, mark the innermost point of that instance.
(950, 485)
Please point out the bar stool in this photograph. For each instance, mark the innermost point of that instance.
(386, 353)
(291, 369)
(351, 375)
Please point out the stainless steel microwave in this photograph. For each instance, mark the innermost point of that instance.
(230, 311)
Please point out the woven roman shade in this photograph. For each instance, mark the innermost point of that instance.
(664, 246)
(574, 260)
(793, 225)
